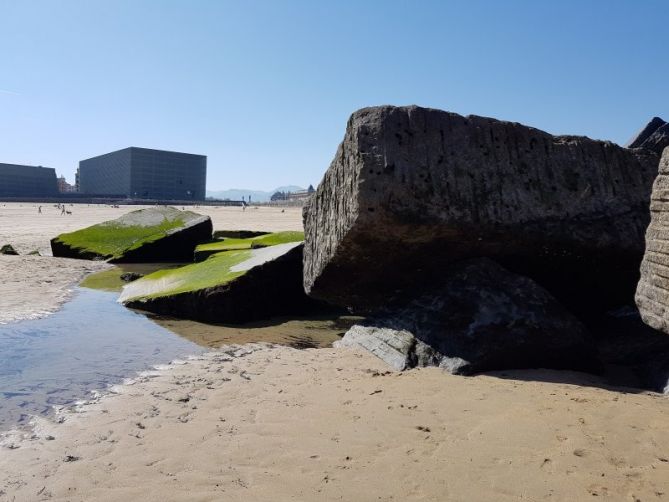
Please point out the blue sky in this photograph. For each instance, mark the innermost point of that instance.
(264, 88)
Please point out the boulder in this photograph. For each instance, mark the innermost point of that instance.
(483, 318)
(413, 190)
(8, 249)
(654, 136)
(652, 295)
(130, 276)
(228, 287)
(156, 234)
(205, 250)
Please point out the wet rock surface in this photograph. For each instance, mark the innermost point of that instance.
(483, 318)
(413, 190)
(130, 276)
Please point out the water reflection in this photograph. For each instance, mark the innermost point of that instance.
(313, 332)
(93, 342)
(90, 343)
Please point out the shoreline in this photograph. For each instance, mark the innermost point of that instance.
(268, 422)
(45, 284)
(257, 422)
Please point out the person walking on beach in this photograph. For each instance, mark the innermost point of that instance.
(62, 210)
(39, 209)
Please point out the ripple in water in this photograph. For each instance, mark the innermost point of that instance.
(91, 343)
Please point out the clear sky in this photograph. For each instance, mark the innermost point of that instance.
(264, 88)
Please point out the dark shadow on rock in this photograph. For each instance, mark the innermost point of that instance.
(483, 318)
(629, 385)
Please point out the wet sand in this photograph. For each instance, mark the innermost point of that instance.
(276, 423)
(259, 423)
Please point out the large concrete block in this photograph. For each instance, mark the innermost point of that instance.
(412, 190)
(652, 296)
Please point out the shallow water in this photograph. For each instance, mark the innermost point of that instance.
(90, 343)
(94, 342)
(312, 332)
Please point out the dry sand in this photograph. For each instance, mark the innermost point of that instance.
(275, 423)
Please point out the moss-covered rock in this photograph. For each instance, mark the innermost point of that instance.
(156, 234)
(8, 249)
(229, 287)
(203, 251)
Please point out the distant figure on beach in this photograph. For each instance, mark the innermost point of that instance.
(39, 209)
(62, 210)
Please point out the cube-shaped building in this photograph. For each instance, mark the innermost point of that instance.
(27, 181)
(143, 173)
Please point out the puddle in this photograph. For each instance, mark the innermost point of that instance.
(94, 342)
(88, 344)
(313, 332)
(110, 279)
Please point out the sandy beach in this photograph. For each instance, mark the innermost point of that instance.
(265, 422)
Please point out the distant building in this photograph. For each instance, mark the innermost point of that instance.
(27, 181)
(298, 195)
(142, 173)
(64, 186)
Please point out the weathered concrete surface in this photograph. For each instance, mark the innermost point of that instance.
(399, 348)
(652, 296)
(483, 318)
(270, 285)
(412, 190)
(156, 234)
(654, 136)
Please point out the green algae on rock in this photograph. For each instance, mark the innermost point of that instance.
(203, 251)
(156, 234)
(111, 279)
(8, 249)
(235, 286)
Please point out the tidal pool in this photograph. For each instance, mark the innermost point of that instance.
(90, 343)
(94, 342)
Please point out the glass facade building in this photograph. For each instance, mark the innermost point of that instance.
(27, 181)
(143, 173)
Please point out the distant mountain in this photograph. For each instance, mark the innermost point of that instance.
(256, 195)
